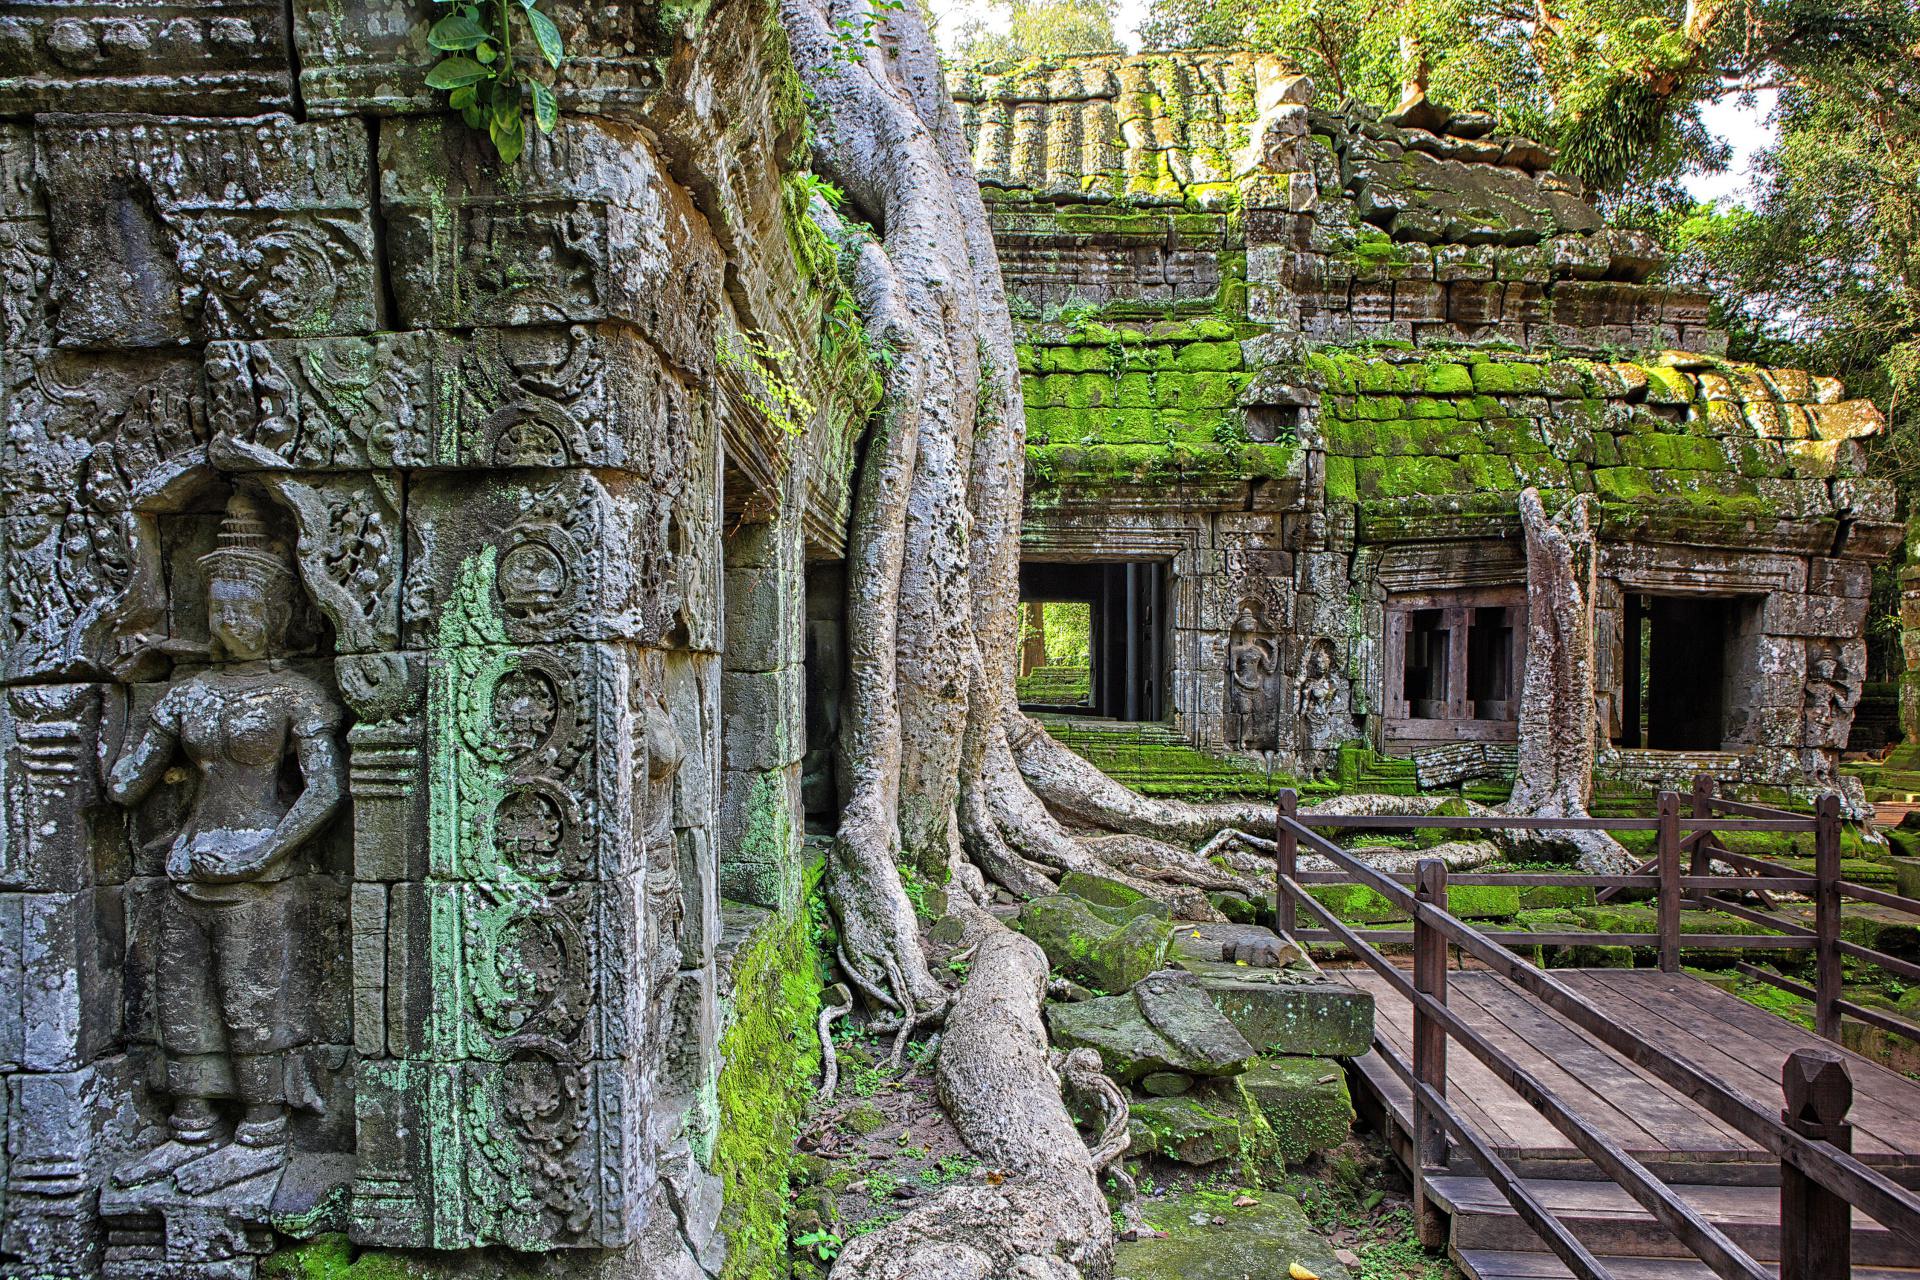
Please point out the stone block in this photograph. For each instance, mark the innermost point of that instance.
(369, 934)
(88, 429)
(26, 256)
(481, 971)
(371, 58)
(1091, 949)
(61, 1126)
(1202, 1126)
(81, 581)
(168, 232)
(69, 978)
(1285, 1012)
(1305, 1101)
(755, 837)
(764, 727)
(1205, 1241)
(577, 396)
(590, 229)
(534, 1154)
(538, 558)
(196, 57)
(1166, 1023)
(1836, 617)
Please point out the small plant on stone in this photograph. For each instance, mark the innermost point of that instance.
(824, 1244)
(483, 75)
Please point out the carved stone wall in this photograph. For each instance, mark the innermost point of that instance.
(482, 419)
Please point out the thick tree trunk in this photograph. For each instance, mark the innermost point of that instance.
(1554, 777)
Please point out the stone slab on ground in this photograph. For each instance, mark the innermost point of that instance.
(1254, 943)
(1085, 945)
(1213, 1122)
(1167, 1023)
(1209, 1239)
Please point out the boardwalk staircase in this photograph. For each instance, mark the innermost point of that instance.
(1490, 1242)
(1628, 1124)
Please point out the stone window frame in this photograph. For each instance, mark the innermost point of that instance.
(1400, 727)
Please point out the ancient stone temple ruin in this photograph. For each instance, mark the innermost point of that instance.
(1287, 370)
(411, 571)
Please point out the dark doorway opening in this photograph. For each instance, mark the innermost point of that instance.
(1678, 657)
(1127, 633)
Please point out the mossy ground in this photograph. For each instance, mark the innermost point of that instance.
(1357, 1203)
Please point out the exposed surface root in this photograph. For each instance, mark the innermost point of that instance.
(1075, 789)
(1047, 1216)
(835, 1003)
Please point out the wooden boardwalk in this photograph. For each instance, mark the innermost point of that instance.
(1743, 1045)
(1727, 1178)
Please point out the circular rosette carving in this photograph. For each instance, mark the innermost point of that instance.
(534, 830)
(527, 1122)
(539, 577)
(523, 713)
(527, 971)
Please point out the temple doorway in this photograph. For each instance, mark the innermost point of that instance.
(1093, 639)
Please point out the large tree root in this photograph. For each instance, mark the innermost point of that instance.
(1047, 1216)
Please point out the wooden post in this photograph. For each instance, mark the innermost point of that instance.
(1429, 1049)
(1700, 863)
(1816, 1223)
(1287, 860)
(1667, 860)
(1826, 924)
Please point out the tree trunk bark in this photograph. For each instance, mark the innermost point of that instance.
(1554, 774)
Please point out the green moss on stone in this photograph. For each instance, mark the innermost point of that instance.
(769, 1056)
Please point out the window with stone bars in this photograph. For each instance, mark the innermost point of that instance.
(1454, 661)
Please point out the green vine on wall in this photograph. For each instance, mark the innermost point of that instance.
(482, 74)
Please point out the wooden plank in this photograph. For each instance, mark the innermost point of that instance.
(1396, 1028)
(1681, 1029)
(1500, 1264)
(1530, 1129)
(1671, 1123)
(1690, 1019)
(1885, 1104)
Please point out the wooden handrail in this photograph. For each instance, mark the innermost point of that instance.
(1576, 938)
(1872, 1017)
(1867, 893)
(1514, 822)
(1565, 1245)
(1528, 879)
(1882, 1199)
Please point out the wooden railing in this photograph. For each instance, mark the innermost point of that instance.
(1819, 1175)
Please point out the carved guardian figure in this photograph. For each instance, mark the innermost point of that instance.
(227, 928)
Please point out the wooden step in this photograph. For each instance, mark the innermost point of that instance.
(1504, 1264)
(1609, 1221)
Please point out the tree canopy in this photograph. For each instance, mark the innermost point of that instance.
(1041, 29)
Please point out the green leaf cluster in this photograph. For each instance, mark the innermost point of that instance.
(483, 74)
